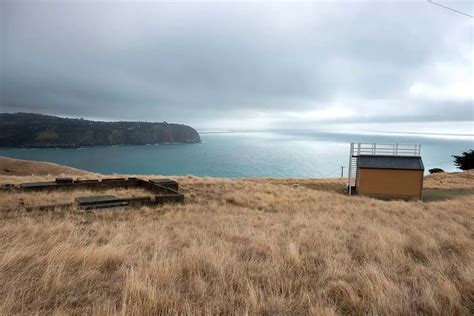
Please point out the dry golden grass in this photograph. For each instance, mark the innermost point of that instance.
(16, 200)
(454, 180)
(17, 167)
(246, 246)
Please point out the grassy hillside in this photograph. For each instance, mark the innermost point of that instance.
(17, 167)
(245, 246)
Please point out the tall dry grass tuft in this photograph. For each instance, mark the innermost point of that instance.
(241, 246)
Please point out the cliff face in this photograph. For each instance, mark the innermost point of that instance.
(35, 130)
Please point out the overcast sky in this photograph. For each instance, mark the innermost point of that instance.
(247, 65)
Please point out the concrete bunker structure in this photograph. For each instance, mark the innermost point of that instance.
(160, 191)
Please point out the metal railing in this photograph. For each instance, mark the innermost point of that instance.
(379, 149)
(385, 149)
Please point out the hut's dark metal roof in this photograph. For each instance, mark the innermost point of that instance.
(390, 162)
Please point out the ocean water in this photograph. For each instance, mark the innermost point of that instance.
(237, 155)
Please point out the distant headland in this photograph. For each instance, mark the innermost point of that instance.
(29, 130)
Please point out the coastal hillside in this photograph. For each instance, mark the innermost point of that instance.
(35, 130)
(242, 246)
(18, 167)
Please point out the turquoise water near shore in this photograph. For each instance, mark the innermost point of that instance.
(236, 155)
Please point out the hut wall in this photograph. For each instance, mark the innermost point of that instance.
(390, 182)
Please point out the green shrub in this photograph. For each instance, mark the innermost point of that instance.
(465, 161)
(436, 170)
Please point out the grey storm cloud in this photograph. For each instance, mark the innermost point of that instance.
(206, 62)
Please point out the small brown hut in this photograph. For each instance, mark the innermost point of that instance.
(390, 176)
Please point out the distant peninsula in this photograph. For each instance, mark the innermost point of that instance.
(29, 130)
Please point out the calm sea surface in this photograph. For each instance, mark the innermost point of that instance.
(265, 154)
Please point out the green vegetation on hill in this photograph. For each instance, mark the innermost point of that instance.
(35, 130)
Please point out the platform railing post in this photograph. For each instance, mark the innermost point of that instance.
(351, 153)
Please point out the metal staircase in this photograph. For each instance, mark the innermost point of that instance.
(358, 149)
(352, 172)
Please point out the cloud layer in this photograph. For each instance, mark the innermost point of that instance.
(244, 64)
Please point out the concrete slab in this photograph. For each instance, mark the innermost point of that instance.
(64, 180)
(166, 183)
(96, 199)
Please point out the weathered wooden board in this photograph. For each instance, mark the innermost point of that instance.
(96, 199)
